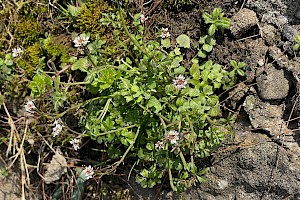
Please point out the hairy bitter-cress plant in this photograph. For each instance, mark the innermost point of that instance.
(161, 114)
(147, 107)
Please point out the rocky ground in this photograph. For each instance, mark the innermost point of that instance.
(262, 162)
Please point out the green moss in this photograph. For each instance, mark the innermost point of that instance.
(89, 18)
(34, 10)
(27, 31)
(57, 47)
(31, 59)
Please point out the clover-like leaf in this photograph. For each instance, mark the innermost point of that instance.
(183, 41)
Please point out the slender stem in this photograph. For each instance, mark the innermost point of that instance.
(116, 164)
(113, 131)
(183, 160)
(89, 56)
(171, 178)
(135, 42)
(105, 109)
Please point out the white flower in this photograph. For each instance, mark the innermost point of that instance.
(89, 172)
(143, 18)
(16, 52)
(179, 82)
(172, 136)
(165, 33)
(58, 127)
(159, 145)
(75, 143)
(57, 121)
(29, 106)
(81, 40)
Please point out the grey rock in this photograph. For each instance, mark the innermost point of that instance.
(262, 7)
(56, 168)
(275, 18)
(269, 33)
(297, 14)
(273, 84)
(289, 32)
(241, 22)
(264, 115)
(251, 173)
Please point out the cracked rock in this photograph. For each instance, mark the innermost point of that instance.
(272, 84)
(56, 168)
(264, 115)
(244, 20)
(261, 171)
(270, 34)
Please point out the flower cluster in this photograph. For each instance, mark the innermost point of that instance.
(159, 145)
(76, 144)
(81, 40)
(179, 82)
(16, 52)
(172, 136)
(58, 127)
(143, 18)
(29, 106)
(89, 172)
(165, 33)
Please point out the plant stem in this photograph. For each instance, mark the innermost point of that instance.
(135, 42)
(113, 131)
(171, 178)
(183, 160)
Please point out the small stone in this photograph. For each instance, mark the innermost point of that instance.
(297, 14)
(56, 168)
(272, 85)
(289, 32)
(264, 115)
(269, 34)
(244, 20)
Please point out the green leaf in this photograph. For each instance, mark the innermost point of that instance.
(177, 51)
(212, 30)
(204, 74)
(207, 47)
(74, 11)
(150, 146)
(153, 102)
(241, 72)
(233, 63)
(214, 111)
(201, 54)
(81, 64)
(145, 173)
(216, 12)
(208, 90)
(179, 70)
(297, 38)
(169, 89)
(193, 92)
(39, 84)
(183, 41)
(9, 62)
(195, 71)
(207, 18)
(166, 43)
(135, 88)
